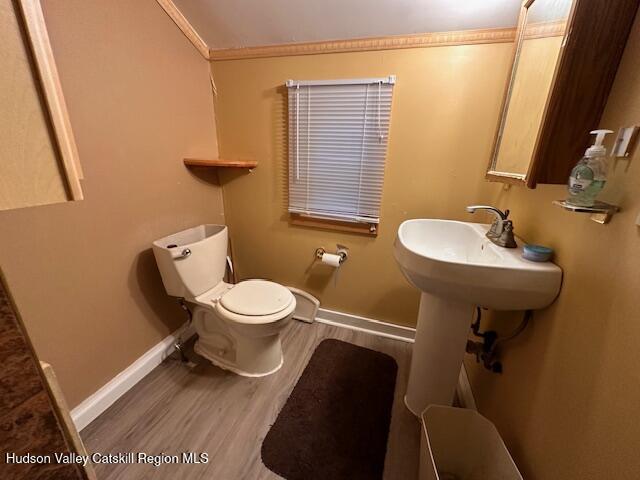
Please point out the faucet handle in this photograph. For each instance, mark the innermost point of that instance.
(506, 238)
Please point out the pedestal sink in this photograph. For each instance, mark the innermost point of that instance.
(457, 268)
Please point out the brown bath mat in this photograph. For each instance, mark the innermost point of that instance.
(336, 422)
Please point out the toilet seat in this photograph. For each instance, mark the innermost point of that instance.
(254, 302)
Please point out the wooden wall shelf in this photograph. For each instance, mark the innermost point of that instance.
(195, 162)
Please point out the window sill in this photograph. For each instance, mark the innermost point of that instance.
(359, 228)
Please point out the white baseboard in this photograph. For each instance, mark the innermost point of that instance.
(97, 403)
(368, 325)
(464, 392)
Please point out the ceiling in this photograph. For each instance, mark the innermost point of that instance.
(250, 23)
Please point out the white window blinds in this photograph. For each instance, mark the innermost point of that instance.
(338, 132)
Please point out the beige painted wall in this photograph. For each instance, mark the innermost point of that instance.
(82, 274)
(568, 402)
(442, 127)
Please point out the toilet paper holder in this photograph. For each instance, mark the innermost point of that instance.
(342, 252)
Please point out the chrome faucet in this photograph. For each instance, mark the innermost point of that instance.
(501, 231)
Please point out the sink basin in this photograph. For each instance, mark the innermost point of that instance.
(456, 261)
(458, 269)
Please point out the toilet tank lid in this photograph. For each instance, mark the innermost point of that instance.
(256, 297)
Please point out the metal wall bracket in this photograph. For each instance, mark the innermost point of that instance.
(601, 212)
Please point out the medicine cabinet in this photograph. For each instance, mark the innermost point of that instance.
(566, 55)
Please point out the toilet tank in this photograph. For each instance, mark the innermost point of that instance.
(192, 261)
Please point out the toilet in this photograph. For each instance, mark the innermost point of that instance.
(238, 325)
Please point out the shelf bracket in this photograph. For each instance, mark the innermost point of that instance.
(601, 212)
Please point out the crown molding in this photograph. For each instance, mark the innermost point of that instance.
(545, 29)
(422, 40)
(183, 24)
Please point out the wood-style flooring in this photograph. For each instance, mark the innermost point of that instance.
(177, 409)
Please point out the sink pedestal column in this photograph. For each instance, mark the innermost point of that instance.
(441, 337)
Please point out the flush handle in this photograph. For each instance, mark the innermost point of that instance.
(183, 254)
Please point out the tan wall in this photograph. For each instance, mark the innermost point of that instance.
(82, 274)
(568, 402)
(442, 127)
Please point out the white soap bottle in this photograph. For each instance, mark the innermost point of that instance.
(590, 174)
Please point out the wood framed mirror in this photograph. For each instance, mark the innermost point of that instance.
(539, 42)
(39, 158)
(566, 55)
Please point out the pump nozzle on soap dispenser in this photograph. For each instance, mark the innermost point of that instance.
(597, 149)
(590, 174)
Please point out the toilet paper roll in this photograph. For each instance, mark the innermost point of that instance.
(331, 259)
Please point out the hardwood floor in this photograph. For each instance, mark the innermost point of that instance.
(177, 409)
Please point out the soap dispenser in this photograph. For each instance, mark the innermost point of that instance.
(590, 174)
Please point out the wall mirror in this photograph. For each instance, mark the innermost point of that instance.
(39, 161)
(539, 43)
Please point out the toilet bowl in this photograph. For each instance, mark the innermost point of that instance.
(238, 325)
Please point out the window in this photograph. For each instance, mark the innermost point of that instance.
(338, 133)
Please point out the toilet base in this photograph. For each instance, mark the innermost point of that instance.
(220, 362)
(236, 348)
